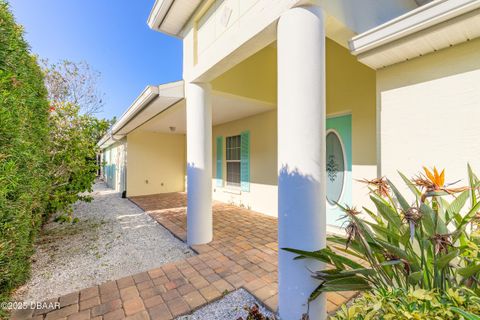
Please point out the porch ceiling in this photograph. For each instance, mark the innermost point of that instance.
(225, 108)
(144, 109)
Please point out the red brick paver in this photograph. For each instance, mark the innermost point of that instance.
(243, 254)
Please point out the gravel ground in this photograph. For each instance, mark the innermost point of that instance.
(229, 307)
(113, 239)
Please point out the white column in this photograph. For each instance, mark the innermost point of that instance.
(301, 156)
(199, 163)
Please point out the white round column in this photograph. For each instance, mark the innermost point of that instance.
(301, 157)
(199, 163)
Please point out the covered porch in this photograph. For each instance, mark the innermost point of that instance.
(295, 161)
(281, 124)
(243, 253)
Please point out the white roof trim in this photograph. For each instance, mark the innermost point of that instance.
(414, 21)
(159, 12)
(170, 90)
(147, 95)
(171, 16)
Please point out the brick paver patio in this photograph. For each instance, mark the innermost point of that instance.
(242, 254)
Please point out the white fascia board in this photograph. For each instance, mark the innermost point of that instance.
(103, 140)
(161, 11)
(172, 89)
(106, 141)
(168, 95)
(148, 94)
(431, 14)
(158, 13)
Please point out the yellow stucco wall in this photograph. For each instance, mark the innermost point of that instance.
(255, 77)
(158, 158)
(430, 108)
(263, 163)
(350, 89)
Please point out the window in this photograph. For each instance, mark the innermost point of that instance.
(233, 150)
(335, 168)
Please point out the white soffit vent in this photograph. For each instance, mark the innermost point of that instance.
(432, 27)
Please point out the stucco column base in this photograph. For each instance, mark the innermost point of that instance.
(301, 157)
(199, 163)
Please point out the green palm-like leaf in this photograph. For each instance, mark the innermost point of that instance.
(469, 271)
(386, 211)
(465, 314)
(384, 232)
(341, 260)
(415, 277)
(428, 219)
(374, 216)
(444, 260)
(401, 200)
(473, 180)
(457, 205)
(316, 255)
(465, 221)
(416, 192)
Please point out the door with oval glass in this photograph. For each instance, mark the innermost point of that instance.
(338, 166)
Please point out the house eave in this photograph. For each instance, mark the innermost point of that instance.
(164, 96)
(147, 95)
(171, 16)
(421, 21)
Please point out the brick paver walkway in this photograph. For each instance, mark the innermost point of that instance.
(242, 254)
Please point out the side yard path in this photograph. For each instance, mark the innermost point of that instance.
(113, 238)
(242, 255)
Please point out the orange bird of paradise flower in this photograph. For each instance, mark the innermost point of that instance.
(434, 182)
(438, 180)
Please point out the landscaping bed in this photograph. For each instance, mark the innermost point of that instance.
(230, 307)
(112, 239)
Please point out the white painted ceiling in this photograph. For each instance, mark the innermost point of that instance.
(225, 108)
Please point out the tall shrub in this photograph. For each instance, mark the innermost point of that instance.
(75, 99)
(73, 149)
(24, 143)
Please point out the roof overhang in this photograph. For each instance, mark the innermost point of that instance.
(434, 26)
(170, 16)
(152, 101)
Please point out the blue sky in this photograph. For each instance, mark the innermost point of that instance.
(111, 35)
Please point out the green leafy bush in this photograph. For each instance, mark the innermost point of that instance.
(73, 163)
(429, 244)
(24, 144)
(47, 153)
(411, 304)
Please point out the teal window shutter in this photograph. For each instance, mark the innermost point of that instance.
(245, 161)
(219, 173)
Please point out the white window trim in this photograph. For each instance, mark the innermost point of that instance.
(233, 187)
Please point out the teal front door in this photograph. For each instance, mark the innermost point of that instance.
(338, 166)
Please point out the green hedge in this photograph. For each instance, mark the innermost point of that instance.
(24, 143)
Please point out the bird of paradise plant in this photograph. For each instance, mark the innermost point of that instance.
(433, 184)
(412, 245)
